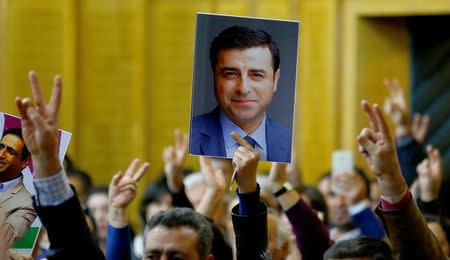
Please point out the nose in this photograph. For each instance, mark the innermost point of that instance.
(244, 85)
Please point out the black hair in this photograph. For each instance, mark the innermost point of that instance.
(84, 177)
(371, 248)
(98, 190)
(185, 217)
(153, 193)
(18, 132)
(242, 37)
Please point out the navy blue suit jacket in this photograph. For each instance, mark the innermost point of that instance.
(207, 139)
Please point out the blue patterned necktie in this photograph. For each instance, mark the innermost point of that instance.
(250, 140)
(1, 187)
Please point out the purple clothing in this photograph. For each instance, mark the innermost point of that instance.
(311, 234)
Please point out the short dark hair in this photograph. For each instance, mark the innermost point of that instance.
(153, 193)
(18, 132)
(102, 189)
(372, 248)
(84, 177)
(185, 217)
(242, 37)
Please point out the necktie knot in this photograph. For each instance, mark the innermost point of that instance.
(250, 140)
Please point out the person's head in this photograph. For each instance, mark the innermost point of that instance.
(156, 198)
(14, 155)
(245, 64)
(81, 181)
(97, 203)
(363, 248)
(178, 233)
(278, 237)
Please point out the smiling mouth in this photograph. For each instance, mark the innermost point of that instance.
(243, 101)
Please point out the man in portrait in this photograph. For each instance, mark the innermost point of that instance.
(245, 64)
(16, 208)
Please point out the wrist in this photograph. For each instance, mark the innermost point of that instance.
(45, 166)
(247, 188)
(117, 217)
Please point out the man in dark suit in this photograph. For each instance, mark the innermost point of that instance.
(245, 64)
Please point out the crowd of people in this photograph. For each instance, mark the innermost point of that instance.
(192, 215)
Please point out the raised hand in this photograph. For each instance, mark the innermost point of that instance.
(39, 126)
(245, 160)
(122, 191)
(396, 106)
(174, 157)
(215, 187)
(377, 146)
(419, 127)
(277, 174)
(430, 172)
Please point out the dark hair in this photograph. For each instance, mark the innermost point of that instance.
(85, 179)
(317, 200)
(371, 248)
(241, 37)
(153, 193)
(185, 217)
(18, 132)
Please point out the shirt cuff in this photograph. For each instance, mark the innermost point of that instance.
(248, 202)
(358, 207)
(386, 206)
(54, 190)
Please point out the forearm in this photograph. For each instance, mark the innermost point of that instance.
(311, 234)
(117, 217)
(209, 203)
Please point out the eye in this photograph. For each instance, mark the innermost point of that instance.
(230, 74)
(11, 151)
(2, 146)
(257, 76)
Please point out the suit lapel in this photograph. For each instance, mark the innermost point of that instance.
(276, 146)
(9, 193)
(212, 140)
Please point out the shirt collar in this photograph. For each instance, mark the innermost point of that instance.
(259, 135)
(11, 183)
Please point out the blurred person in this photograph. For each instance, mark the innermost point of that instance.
(349, 207)
(324, 183)
(97, 203)
(245, 64)
(278, 237)
(409, 136)
(315, 199)
(16, 208)
(81, 182)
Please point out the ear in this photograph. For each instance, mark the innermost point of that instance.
(25, 163)
(276, 76)
(210, 257)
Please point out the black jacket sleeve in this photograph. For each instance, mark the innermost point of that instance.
(68, 232)
(251, 233)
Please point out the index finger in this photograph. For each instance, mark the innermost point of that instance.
(370, 115)
(381, 121)
(138, 175)
(241, 140)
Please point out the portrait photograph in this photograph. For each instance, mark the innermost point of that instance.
(244, 81)
(16, 178)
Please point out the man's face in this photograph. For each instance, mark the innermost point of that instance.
(244, 83)
(10, 156)
(98, 205)
(178, 243)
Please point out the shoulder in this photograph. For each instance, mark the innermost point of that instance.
(277, 129)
